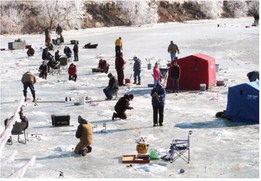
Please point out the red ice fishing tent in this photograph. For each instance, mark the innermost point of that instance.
(195, 70)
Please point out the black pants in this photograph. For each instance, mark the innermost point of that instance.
(117, 50)
(158, 110)
(73, 77)
(121, 115)
(120, 75)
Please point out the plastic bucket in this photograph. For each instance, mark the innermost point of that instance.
(82, 100)
(127, 81)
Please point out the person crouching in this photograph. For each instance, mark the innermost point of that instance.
(85, 134)
(72, 71)
(121, 106)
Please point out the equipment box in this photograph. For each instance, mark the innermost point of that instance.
(60, 120)
(16, 45)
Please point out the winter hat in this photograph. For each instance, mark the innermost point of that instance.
(109, 75)
(131, 96)
(81, 120)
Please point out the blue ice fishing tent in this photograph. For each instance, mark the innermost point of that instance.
(243, 103)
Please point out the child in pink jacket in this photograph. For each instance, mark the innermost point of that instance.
(156, 74)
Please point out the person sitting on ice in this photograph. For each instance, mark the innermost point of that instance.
(253, 76)
(24, 123)
(103, 66)
(72, 71)
(43, 70)
(30, 51)
(46, 55)
(57, 56)
(121, 106)
(85, 134)
(112, 88)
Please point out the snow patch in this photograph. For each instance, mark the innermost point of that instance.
(154, 168)
(68, 148)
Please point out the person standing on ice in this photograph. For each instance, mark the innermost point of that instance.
(75, 51)
(67, 51)
(173, 49)
(72, 71)
(59, 31)
(85, 134)
(158, 95)
(137, 70)
(118, 46)
(175, 75)
(112, 88)
(119, 65)
(156, 74)
(121, 106)
(28, 80)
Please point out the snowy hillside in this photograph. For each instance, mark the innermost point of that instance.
(219, 148)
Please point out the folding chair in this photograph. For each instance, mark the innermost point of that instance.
(18, 129)
(179, 149)
(63, 62)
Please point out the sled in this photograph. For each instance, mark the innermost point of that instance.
(135, 159)
(89, 45)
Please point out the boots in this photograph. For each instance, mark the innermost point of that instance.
(134, 82)
(138, 83)
(25, 95)
(33, 94)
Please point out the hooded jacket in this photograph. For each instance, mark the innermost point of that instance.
(137, 65)
(28, 78)
(72, 70)
(123, 104)
(173, 48)
(84, 131)
(161, 93)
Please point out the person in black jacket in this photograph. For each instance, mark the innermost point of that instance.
(67, 51)
(46, 55)
(75, 51)
(175, 75)
(121, 106)
(43, 70)
(57, 56)
(112, 88)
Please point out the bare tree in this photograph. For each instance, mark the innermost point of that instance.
(253, 10)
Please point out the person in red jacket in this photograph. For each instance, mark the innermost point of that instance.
(72, 71)
(119, 65)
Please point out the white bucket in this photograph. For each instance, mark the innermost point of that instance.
(203, 87)
(82, 100)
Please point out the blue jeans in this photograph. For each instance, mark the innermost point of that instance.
(31, 87)
(175, 84)
(109, 92)
(173, 56)
(136, 75)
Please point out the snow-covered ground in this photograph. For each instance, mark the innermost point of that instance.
(219, 149)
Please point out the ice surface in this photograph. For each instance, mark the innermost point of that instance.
(219, 148)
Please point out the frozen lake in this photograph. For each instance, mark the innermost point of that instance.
(219, 148)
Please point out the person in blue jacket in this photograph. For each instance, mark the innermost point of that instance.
(158, 95)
